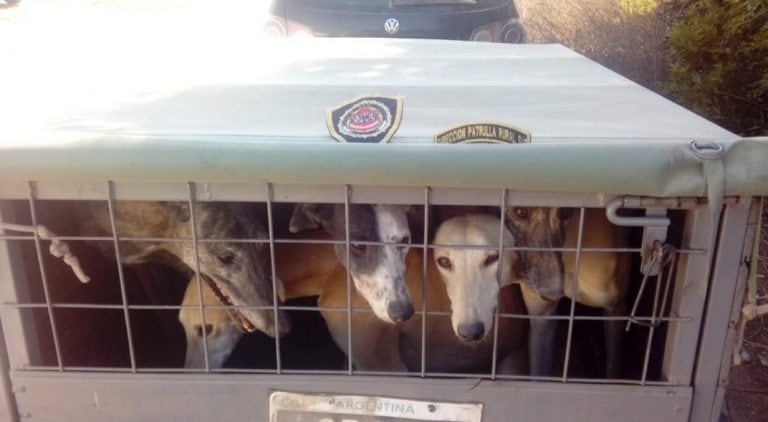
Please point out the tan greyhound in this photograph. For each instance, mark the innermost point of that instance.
(454, 289)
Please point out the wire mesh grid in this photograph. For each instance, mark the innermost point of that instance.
(659, 312)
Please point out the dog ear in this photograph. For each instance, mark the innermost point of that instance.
(179, 211)
(310, 216)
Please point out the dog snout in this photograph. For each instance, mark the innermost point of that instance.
(400, 311)
(283, 324)
(551, 294)
(471, 332)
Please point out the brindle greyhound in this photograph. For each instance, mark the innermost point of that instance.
(602, 277)
(456, 278)
(236, 271)
(377, 271)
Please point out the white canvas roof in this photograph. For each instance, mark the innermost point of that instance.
(281, 91)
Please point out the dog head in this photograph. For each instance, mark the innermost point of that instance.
(221, 331)
(239, 272)
(378, 271)
(540, 227)
(471, 276)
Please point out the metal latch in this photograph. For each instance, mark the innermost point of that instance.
(655, 223)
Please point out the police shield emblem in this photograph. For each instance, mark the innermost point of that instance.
(369, 119)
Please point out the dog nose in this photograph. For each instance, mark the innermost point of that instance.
(472, 332)
(400, 311)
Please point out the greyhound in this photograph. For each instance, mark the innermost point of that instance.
(602, 282)
(377, 271)
(221, 331)
(453, 276)
(235, 271)
(304, 268)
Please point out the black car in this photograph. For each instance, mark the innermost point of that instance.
(475, 20)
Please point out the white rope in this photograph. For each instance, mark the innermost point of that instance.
(58, 248)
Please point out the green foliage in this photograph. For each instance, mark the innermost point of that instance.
(638, 7)
(720, 63)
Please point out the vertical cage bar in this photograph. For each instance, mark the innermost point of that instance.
(574, 295)
(424, 276)
(667, 278)
(495, 355)
(689, 296)
(350, 352)
(276, 307)
(123, 295)
(21, 332)
(728, 279)
(8, 409)
(191, 198)
(43, 276)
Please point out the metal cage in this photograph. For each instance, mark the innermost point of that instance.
(598, 141)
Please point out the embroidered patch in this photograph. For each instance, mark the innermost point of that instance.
(368, 119)
(483, 133)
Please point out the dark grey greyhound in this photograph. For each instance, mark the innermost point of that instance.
(238, 272)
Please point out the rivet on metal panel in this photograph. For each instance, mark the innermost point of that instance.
(21, 390)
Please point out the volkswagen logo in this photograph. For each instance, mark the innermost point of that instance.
(392, 26)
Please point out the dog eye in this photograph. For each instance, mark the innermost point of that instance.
(356, 247)
(405, 240)
(491, 259)
(226, 258)
(521, 212)
(444, 262)
(564, 213)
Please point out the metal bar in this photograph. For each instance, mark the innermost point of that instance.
(21, 332)
(334, 309)
(121, 278)
(8, 409)
(688, 298)
(611, 211)
(43, 276)
(191, 195)
(574, 296)
(292, 192)
(442, 375)
(727, 283)
(350, 352)
(273, 268)
(495, 353)
(339, 242)
(657, 291)
(424, 263)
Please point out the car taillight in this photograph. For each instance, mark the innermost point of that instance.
(275, 27)
(298, 30)
(279, 28)
(510, 31)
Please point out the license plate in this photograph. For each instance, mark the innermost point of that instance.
(300, 407)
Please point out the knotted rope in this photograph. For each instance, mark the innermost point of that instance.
(58, 248)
